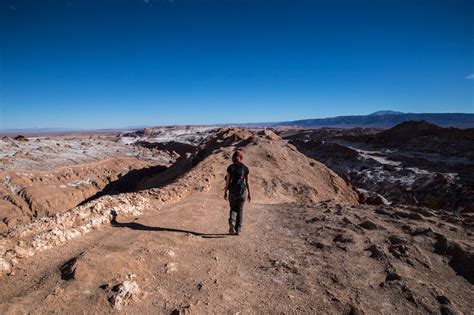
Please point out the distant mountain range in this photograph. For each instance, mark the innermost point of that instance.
(382, 119)
(379, 119)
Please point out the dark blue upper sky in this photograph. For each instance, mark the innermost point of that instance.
(116, 63)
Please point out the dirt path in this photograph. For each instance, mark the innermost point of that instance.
(182, 257)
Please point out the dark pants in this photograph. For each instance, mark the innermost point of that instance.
(236, 203)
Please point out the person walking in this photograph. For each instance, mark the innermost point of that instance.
(238, 188)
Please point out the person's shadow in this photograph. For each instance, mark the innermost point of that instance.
(142, 227)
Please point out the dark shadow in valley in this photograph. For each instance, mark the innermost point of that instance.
(126, 183)
(170, 146)
(142, 227)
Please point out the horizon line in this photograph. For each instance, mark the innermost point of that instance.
(83, 129)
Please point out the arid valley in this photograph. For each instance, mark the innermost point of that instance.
(341, 221)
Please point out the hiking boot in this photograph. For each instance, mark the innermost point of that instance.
(231, 230)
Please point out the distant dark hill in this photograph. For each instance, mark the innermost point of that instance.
(385, 119)
(409, 130)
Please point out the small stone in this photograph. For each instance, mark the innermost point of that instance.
(170, 253)
(123, 293)
(443, 300)
(392, 276)
(355, 311)
(343, 239)
(319, 245)
(448, 310)
(368, 225)
(375, 251)
(171, 267)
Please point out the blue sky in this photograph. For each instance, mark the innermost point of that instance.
(117, 63)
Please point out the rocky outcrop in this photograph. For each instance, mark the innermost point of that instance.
(30, 195)
(310, 183)
(21, 138)
(371, 198)
(192, 135)
(121, 294)
(407, 131)
(374, 172)
(26, 241)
